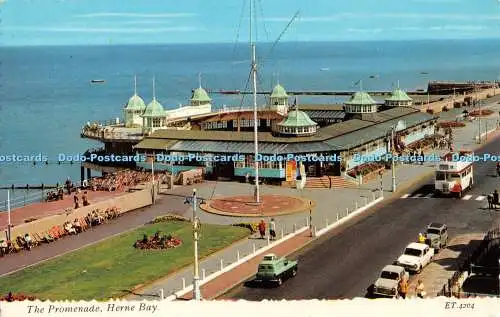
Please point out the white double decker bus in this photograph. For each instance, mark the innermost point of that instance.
(454, 173)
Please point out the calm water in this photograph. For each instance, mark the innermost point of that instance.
(46, 95)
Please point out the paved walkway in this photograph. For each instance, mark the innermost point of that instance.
(271, 205)
(445, 264)
(45, 209)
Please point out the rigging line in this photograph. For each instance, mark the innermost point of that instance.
(282, 33)
(262, 15)
(254, 2)
(239, 28)
(246, 88)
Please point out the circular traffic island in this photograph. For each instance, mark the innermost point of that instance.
(245, 206)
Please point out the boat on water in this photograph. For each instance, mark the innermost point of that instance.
(97, 81)
(424, 73)
(325, 69)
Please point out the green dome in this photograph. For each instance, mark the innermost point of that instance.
(399, 95)
(360, 98)
(154, 109)
(135, 103)
(297, 119)
(200, 95)
(279, 92)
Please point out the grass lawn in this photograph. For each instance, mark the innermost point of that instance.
(112, 267)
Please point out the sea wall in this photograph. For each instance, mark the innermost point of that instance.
(124, 203)
(438, 106)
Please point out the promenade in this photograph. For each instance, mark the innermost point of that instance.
(331, 204)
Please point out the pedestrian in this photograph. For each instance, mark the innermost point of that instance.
(490, 201)
(68, 185)
(85, 200)
(421, 238)
(421, 157)
(419, 289)
(262, 228)
(272, 229)
(403, 288)
(495, 199)
(76, 201)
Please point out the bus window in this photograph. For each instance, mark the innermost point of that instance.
(440, 176)
(455, 175)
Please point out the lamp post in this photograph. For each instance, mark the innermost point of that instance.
(393, 169)
(196, 231)
(381, 175)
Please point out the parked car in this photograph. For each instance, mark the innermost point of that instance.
(275, 269)
(436, 236)
(387, 285)
(415, 257)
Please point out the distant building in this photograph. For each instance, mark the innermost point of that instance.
(134, 109)
(398, 98)
(279, 100)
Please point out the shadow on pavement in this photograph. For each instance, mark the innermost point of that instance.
(256, 284)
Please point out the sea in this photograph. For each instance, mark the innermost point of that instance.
(46, 95)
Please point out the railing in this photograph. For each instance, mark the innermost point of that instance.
(452, 287)
(26, 199)
(103, 134)
(283, 234)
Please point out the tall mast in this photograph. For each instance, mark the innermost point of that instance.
(199, 80)
(154, 90)
(255, 117)
(135, 84)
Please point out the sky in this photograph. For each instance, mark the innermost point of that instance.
(98, 22)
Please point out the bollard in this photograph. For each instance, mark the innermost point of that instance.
(347, 211)
(307, 221)
(183, 283)
(238, 255)
(315, 231)
(268, 240)
(162, 294)
(326, 222)
(294, 227)
(356, 206)
(337, 216)
(203, 273)
(254, 248)
(221, 264)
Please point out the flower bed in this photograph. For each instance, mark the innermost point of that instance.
(253, 227)
(157, 242)
(450, 124)
(422, 144)
(485, 112)
(365, 169)
(168, 218)
(16, 297)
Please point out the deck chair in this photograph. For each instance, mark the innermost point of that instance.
(39, 238)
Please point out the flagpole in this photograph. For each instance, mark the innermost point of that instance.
(9, 224)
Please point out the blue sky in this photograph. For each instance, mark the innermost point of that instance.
(87, 22)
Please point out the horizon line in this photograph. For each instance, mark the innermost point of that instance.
(262, 42)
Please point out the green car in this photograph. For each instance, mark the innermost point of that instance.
(275, 269)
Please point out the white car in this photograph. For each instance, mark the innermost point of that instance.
(387, 285)
(415, 257)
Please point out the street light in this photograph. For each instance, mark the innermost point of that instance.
(391, 144)
(196, 231)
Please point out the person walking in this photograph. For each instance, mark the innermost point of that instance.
(272, 229)
(262, 228)
(419, 289)
(76, 201)
(403, 288)
(495, 199)
(422, 157)
(490, 201)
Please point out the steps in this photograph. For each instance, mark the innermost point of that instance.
(324, 182)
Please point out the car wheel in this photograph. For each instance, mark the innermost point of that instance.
(279, 281)
(294, 272)
(419, 270)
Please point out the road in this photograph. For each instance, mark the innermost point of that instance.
(345, 263)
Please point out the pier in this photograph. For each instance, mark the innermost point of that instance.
(310, 93)
(28, 187)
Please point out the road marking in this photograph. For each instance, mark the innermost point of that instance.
(467, 197)
(405, 196)
(416, 196)
(479, 198)
(429, 195)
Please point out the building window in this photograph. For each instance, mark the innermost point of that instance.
(156, 122)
